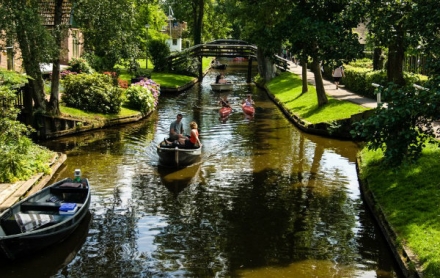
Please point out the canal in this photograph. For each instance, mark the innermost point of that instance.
(265, 200)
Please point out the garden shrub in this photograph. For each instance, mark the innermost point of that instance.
(20, 158)
(143, 96)
(92, 92)
(159, 51)
(80, 65)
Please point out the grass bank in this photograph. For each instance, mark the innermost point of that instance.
(287, 88)
(410, 198)
(409, 195)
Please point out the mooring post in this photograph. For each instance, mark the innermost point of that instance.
(249, 70)
(200, 69)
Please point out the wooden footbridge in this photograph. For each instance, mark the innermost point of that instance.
(229, 48)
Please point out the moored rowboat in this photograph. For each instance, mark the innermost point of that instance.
(44, 218)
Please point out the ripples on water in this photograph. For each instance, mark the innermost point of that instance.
(264, 201)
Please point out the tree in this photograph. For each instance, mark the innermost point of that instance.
(22, 24)
(322, 30)
(110, 30)
(58, 32)
(389, 24)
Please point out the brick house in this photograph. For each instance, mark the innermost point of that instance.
(72, 44)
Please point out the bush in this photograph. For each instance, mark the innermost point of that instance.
(159, 51)
(92, 92)
(143, 96)
(19, 157)
(80, 65)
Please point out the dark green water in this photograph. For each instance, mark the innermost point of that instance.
(265, 200)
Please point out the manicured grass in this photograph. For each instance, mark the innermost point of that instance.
(287, 88)
(410, 198)
(96, 116)
(171, 80)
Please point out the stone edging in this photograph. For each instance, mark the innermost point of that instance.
(407, 261)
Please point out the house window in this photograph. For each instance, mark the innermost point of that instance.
(174, 41)
(75, 44)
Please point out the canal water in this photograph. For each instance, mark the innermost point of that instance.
(265, 200)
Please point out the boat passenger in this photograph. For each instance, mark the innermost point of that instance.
(224, 102)
(193, 141)
(248, 101)
(176, 129)
(222, 79)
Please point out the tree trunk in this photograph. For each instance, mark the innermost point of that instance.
(396, 55)
(32, 68)
(305, 85)
(266, 67)
(53, 106)
(320, 91)
(198, 12)
(377, 59)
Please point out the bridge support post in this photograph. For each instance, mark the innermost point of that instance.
(200, 68)
(249, 73)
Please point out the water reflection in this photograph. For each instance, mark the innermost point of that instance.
(265, 199)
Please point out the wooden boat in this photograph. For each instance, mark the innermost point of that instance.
(225, 111)
(44, 218)
(222, 86)
(248, 110)
(174, 156)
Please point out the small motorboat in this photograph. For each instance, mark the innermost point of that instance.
(248, 110)
(174, 156)
(228, 86)
(44, 218)
(225, 111)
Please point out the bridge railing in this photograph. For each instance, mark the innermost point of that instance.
(213, 50)
(222, 50)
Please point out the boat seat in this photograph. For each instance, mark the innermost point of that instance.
(11, 226)
(42, 206)
(60, 190)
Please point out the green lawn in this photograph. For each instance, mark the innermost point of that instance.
(410, 198)
(287, 88)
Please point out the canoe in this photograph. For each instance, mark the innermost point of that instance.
(173, 156)
(225, 111)
(44, 218)
(222, 86)
(248, 110)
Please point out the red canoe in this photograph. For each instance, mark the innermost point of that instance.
(225, 111)
(249, 110)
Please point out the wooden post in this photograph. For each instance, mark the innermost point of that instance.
(249, 73)
(200, 69)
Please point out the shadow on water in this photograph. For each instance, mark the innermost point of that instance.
(49, 260)
(176, 180)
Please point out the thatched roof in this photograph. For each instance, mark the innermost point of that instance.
(47, 11)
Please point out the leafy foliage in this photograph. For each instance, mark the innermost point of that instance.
(19, 157)
(403, 126)
(159, 51)
(143, 96)
(80, 65)
(92, 92)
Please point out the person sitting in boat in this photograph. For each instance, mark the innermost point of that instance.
(217, 79)
(176, 130)
(248, 101)
(224, 102)
(193, 141)
(222, 79)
